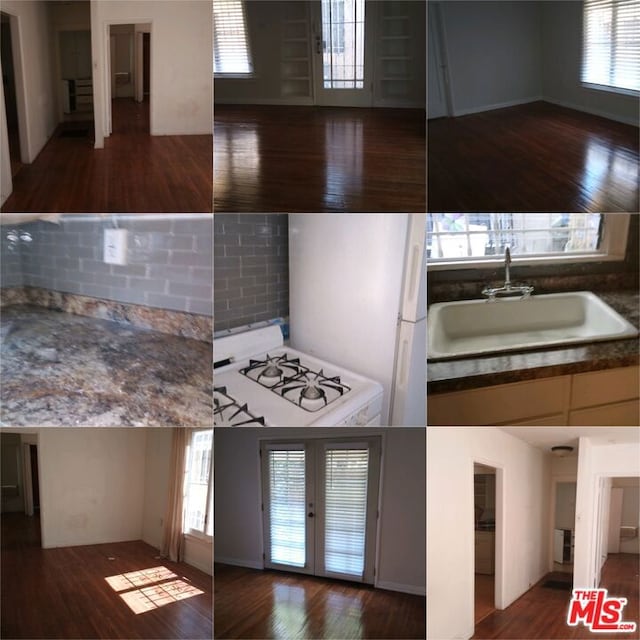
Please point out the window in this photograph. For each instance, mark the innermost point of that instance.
(198, 502)
(231, 55)
(464, 239)
(343, 44)
(611, 45)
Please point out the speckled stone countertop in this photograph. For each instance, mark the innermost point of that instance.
(59, 369)
(484, 371)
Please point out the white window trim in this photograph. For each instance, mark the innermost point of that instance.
(613, 249)
(610, 89)
(188, 532)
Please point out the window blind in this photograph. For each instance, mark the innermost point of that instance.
(287, 507)
(346, 473)
(611, 43)
(230, 45)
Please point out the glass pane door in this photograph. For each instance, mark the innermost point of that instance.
(345, 521)
(342, 60)
(288, 539)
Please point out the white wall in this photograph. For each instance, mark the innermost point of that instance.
(596, 461)
(156, 484)
(630, 518)
(401, 542)
(181, 62)
(565, 505)
(36, 95)
(494, 53)
(521, 530)
(92, 485)
(562, 63)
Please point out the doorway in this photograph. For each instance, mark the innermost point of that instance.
(10, 93)
(564, 527)
(20, 490)
(485, 508)
(342, 60)
(130, 83)
(319, 506)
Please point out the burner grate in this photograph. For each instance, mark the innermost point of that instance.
(287, 377)
(229, 413)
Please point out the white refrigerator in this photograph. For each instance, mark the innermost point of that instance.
(357, 297)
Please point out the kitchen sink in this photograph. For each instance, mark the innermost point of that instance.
(476, 327)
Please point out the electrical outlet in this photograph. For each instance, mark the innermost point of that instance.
(115, 246)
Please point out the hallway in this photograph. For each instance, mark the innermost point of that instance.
(541, 612)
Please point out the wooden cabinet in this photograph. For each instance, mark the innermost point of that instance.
(597, 398)
(485, 552)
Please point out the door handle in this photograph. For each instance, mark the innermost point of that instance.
(310, 514)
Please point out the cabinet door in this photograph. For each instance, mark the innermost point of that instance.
(621, 414)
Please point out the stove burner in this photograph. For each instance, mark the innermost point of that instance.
(228, 413)
(296, 382)
(272, 369)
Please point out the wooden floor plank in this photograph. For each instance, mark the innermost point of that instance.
(63, 592)
(135, 172)
(541, 612)
(292, 159)
(535, 157)
(274, 604)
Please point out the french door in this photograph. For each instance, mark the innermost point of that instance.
(343, 52)
(320, 506)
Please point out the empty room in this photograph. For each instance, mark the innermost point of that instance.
(106, 533)
(319, 105)
(320, 533)
(531, 515)
(533, 106)
(106, 106)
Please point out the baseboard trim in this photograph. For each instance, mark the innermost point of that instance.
(282, 102)
(593, 112)
(499, 105)
(239, 562)
(403, 588)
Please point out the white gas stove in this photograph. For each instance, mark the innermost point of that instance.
(259, 381)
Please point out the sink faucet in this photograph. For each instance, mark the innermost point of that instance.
(507, 289)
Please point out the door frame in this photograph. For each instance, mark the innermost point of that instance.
(499, 580)
(343, 97)
(434, 9)
(106, 126)
(314, 478)
(15, 28)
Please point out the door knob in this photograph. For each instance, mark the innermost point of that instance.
(311, 514)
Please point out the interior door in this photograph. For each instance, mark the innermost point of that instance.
(343, 52)
(320, 507)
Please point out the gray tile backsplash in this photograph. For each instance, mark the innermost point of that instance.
(169, 262)
(251, 268)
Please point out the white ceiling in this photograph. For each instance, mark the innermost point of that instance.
(547, 437)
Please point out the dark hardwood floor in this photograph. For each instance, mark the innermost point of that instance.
(273, 604)
(542, 612)
(64, 592)
(533, 157)
(135, 172)
(292, 159)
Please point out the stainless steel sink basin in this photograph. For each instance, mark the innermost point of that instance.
(474, 327)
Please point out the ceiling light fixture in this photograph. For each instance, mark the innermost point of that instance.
(561, 450)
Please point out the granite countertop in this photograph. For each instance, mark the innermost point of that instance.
(59, 369)
(484, 371)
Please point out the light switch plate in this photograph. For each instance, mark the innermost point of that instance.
(115, 246)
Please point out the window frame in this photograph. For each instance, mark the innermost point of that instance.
(613, 248)
(247, 41)
(592, 85)
(187, 530)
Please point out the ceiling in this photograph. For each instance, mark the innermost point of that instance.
(547, 437)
